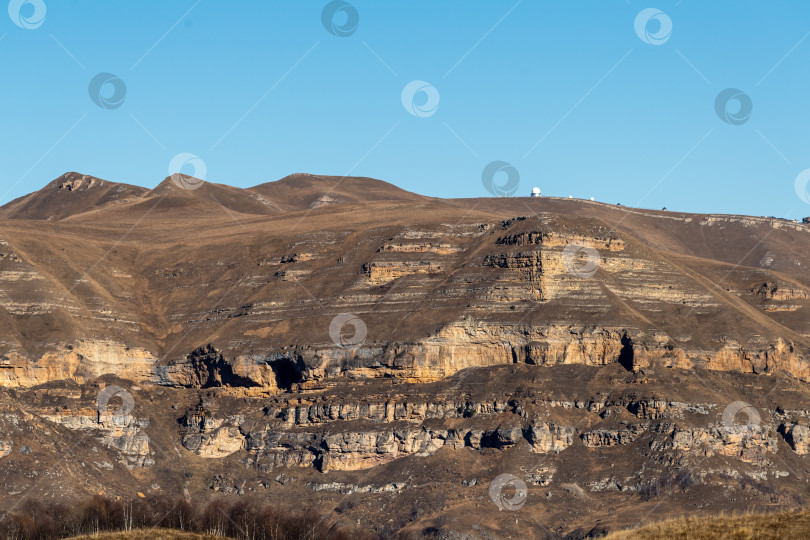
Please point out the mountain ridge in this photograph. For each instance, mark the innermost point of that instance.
(183, 189)
(299, 191)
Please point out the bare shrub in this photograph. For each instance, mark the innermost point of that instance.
(245, 519)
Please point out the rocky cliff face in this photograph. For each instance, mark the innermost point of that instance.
(294, 436)
(515, 290)
(401, 351)
(82, 362)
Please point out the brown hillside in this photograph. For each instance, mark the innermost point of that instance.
(70, 194)
(342, 344)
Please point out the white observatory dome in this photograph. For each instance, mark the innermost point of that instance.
(535, 192)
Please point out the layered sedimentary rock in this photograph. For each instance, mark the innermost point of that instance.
(125, 434)
(81, 362)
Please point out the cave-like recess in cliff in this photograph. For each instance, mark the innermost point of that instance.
(286, 372)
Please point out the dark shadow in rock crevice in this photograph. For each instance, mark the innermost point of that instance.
(627, 353)
(286, 373)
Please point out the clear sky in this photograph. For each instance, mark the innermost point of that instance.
(578, 97)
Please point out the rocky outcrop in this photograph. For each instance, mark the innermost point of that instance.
(549, 437)
(611, 437)
(781, 356)
(509, 291)
(420, 247)
(348, 489)
(748, 443)
(207, 367)
(124, 433)
(211, 437)
(281, 443)
(214, 442)
(467, 344)
(380, 272)
(81, 362)
(74, 184)
(295, 436)
(797, 436)
(363, 450)
(780, 291)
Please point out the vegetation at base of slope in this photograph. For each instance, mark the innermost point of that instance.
(149, 534)
(736, 527)
(164, 517)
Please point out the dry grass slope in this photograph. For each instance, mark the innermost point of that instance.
(739, 527)
(149, 534)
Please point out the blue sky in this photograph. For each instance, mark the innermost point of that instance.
(567, 92)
